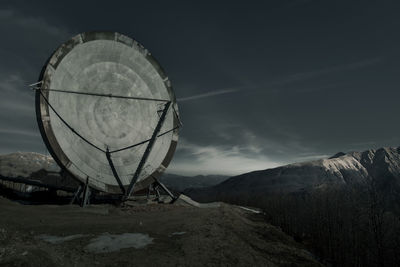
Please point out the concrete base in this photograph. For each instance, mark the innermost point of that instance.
(187, 201)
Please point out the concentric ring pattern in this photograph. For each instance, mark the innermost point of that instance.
(101, 64)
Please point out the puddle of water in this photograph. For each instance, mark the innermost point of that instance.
(177, 233)
(109, 242)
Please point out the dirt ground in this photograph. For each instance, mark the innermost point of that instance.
(181, 236)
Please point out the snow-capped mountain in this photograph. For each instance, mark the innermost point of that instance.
(34, 166)
(24, 164)
(381, 166)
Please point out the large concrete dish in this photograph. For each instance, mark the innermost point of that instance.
(106, 63)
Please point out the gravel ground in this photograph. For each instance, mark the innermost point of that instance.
(145, 235)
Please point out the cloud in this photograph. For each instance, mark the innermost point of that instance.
(16, 98)
(10, 16)
(344, 67)
(262, 111)
(225, 160)
(14, 132)
(260, 135)
(273, 86)
(17, 115)
(310, 157)
(30, 40)
(15, 95)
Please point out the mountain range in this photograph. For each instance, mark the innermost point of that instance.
(35, 166)
(380, 166)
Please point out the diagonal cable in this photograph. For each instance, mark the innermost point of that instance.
(105, 95)
(69, 126)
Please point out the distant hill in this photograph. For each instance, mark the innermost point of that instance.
(381, 165)
(36, 167)
(40, 167)
(23, 164)
(180, 183)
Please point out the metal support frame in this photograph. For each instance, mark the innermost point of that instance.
(76, 195)
(156, 133)
(158, 195)
(23, 180)
(86, 194)
(149, 189)
(114, 171)
(165, 189)
(148, 150)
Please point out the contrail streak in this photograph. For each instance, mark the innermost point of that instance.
(208, 94)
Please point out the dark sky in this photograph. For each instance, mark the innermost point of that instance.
(259, 83)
